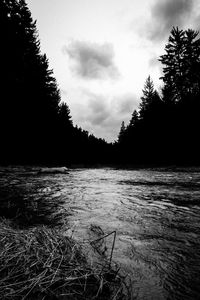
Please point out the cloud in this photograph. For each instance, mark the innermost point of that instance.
(63, 92)
(127, 103)
(197, 22)
(98, 109)
(102, 115)
(92, 61)
(154, 62)
(168, 13)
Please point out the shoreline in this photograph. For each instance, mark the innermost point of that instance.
(43, 263)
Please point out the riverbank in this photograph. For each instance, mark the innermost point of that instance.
(43, 263)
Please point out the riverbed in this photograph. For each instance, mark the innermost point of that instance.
(155, 213)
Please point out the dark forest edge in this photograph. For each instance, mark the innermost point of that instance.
(37, 128)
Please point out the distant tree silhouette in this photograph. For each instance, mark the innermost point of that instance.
(143, 129)
(181, 92)
(64, 115)
(147, 98)
(30, 94)
(165, 128)
(181, 65)
(122, 132)
(35, 126)
(134, 119)
(192, 61)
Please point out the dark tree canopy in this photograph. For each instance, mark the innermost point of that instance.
(36, 127)
(30, 95)
(182, 64)
(122, 132)
(165, 128)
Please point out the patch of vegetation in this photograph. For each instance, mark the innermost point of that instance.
(43, 263)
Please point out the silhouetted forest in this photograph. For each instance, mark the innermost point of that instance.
(165, 128)
(37, 128)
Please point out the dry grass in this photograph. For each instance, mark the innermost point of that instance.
(42, 263)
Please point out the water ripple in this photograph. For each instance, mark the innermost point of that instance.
(156, 214)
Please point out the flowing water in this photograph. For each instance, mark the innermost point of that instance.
(156, 214)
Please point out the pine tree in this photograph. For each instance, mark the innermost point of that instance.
(122, 133)
(134, 119)
(29, 94)
(64, 115)
(148, 98)
(181, 65)
(192, 61)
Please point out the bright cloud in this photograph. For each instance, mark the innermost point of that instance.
(92, 60)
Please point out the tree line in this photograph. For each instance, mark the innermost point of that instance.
(165, 128)
(37, 127)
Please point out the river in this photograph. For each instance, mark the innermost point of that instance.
(155, 213)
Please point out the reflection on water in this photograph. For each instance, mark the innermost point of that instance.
(29, 199)
(156, 215)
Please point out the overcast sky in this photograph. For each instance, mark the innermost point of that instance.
(102, 51)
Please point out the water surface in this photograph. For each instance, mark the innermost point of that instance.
(156, 214)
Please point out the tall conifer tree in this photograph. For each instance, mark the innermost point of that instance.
(30, 96)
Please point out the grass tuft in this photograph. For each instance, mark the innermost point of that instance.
(42, 263)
